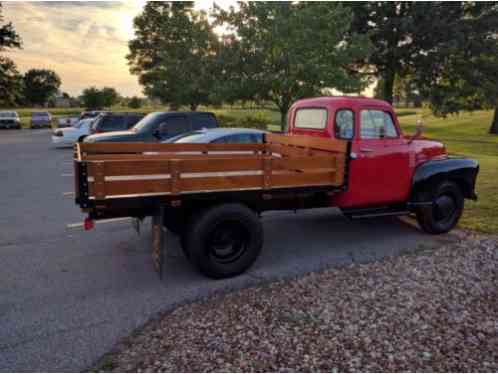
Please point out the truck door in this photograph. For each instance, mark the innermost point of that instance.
(380, 170)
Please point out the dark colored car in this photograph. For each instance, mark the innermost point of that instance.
(115, 122)
(40, 120)
(9, 120)
(160, 126)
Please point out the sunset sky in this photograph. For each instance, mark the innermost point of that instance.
(84, 42)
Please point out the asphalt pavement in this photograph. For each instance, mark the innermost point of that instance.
(67, 297)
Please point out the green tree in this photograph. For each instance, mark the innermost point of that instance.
(92, 98)
(281, 52)
(407, 35)
(135, 102)
(466, 77)
(40, 85)
(10, 79)
(109, 96)
(173, 53)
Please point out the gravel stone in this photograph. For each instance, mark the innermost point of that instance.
(433, 311)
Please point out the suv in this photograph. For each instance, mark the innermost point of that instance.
(9, 120)
(115, 122)
(40, 120)
(160, 126)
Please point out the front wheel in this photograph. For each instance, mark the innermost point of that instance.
(224, 240)
(447, 207)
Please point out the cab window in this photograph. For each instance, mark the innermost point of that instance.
(311, 118)
(344, 124)
(376, 124)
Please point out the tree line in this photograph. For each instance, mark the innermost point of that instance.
(443, 53)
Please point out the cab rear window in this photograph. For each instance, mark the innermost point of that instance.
(311, 118)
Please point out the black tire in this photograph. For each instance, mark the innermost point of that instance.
(224, 240)
(447, 208)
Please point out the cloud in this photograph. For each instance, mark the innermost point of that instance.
(85, 43)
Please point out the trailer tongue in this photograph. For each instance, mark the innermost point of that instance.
(178, 183)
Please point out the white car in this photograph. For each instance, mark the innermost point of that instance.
(68, 136)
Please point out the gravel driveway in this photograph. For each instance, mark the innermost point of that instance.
(67, 297)
(436, 310)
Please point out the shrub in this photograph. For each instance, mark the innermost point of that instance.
(256, 121)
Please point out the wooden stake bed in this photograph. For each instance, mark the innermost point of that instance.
(107, 171)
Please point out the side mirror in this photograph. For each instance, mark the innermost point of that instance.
(156, 133)
(418, 131)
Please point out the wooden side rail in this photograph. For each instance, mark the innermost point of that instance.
(138, 169)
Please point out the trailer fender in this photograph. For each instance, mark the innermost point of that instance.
(459, 170)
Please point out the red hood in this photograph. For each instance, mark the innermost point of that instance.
(426, 150)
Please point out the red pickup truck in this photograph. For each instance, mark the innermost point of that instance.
(340, 152)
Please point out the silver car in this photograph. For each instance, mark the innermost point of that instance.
(9, 120)
(220, 136)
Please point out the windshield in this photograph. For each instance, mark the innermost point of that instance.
(144, 123)
(8, 114)
(82, 122)
(39, 114)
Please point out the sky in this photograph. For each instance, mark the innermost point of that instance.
(86, 43)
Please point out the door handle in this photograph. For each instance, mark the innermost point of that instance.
(366, 150)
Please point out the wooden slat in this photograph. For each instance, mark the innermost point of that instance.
(220, 183)
(303, 179)
(287, 151)
(326, 144)
(171, 156)
(106, 148)
(130, 187)
(220, 165)
(304, 163)
(131, 167)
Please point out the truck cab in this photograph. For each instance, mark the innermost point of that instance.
(388, 172)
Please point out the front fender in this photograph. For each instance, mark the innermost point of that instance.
(462, 171)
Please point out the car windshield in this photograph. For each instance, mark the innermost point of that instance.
(82, 122)
(7, 114)
(39, 114)
(145, 122)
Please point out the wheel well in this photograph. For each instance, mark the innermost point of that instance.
(432, 182)
(180, 216)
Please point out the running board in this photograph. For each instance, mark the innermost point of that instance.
(379, 214)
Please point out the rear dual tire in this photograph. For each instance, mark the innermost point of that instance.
(224, 240)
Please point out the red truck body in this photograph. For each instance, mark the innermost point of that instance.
(383, 168)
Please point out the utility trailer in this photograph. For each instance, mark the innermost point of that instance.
(209, 194)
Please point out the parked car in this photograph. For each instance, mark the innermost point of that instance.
(68, 136)
(220, 136)
(63, 122)
(9, 120)
(91, 114)
(115, 122)
(160, 126)
(40, 120)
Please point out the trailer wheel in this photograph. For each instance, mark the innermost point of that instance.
(446, 210)
(224, 240)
